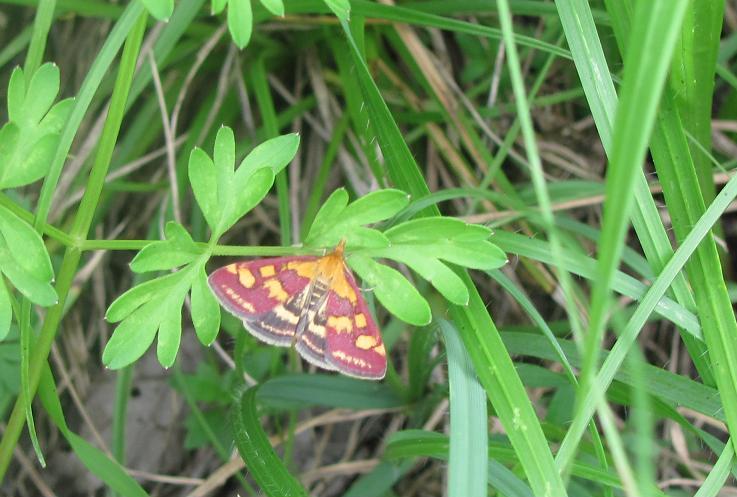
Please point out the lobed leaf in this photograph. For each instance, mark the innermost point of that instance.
(41, 93)
(133, 336)
(328, 214)
(16, 94)
(202, 177)
(480, 255)
(25, 246)
(274, 153)
(170, 329)
(205, 309)
(247, 192)
(29, 140)
(393, 290)
(179, 249)
(432, 228)
(139, 295)
(374, 207)
(440, 276)
(224, 159)
(37, 291)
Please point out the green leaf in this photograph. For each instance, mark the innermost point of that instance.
(480, 255)
(25, 246)
(217, 6)
(393, 290)
(341, 8)
(363, 237)
(41, 93)
(29, 141)
(263, 464)
(301, 391)
(202, 177)
(248, 193)
(274, 153)
(160, 9)
(448, 283)
(6, 310)
(432, 228)
(16, 94)
(276, 7)
(224, 158)
(135, 297)
(240, 21)
(37, 291)
(56, 118)
(179, 249)
(170, 330)
(205, 309)
(375, 206)
(328, 214)
(133, 336)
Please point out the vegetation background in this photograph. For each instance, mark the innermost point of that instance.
(596, 138)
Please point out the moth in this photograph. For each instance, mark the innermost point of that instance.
(311, 303)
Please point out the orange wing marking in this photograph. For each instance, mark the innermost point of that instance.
(366, 342)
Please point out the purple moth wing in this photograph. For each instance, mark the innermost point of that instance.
(353, 343)
(266, 294)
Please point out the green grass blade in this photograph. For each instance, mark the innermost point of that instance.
(468, 454)
(41, 26)
(655, 32)
(619, 352)
(718, 475)
(31, 374)
(593, 71)
(692, 81)
(268, 113)
(253, 445)
(98, 463)
(480, 337)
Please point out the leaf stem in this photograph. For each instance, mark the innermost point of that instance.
(132, 24)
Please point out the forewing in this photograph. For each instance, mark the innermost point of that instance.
(353, 343)
(266, 294)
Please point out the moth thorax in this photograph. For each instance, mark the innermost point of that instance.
(319, 290)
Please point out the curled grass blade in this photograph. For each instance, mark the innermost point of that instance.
(254, 447)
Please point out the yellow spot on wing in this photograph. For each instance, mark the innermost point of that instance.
(365, 342)
(246, 278)
(340, 324)
(276, 291)
(267, 271)
(380, 350)
(360, 320)
(231, 268)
